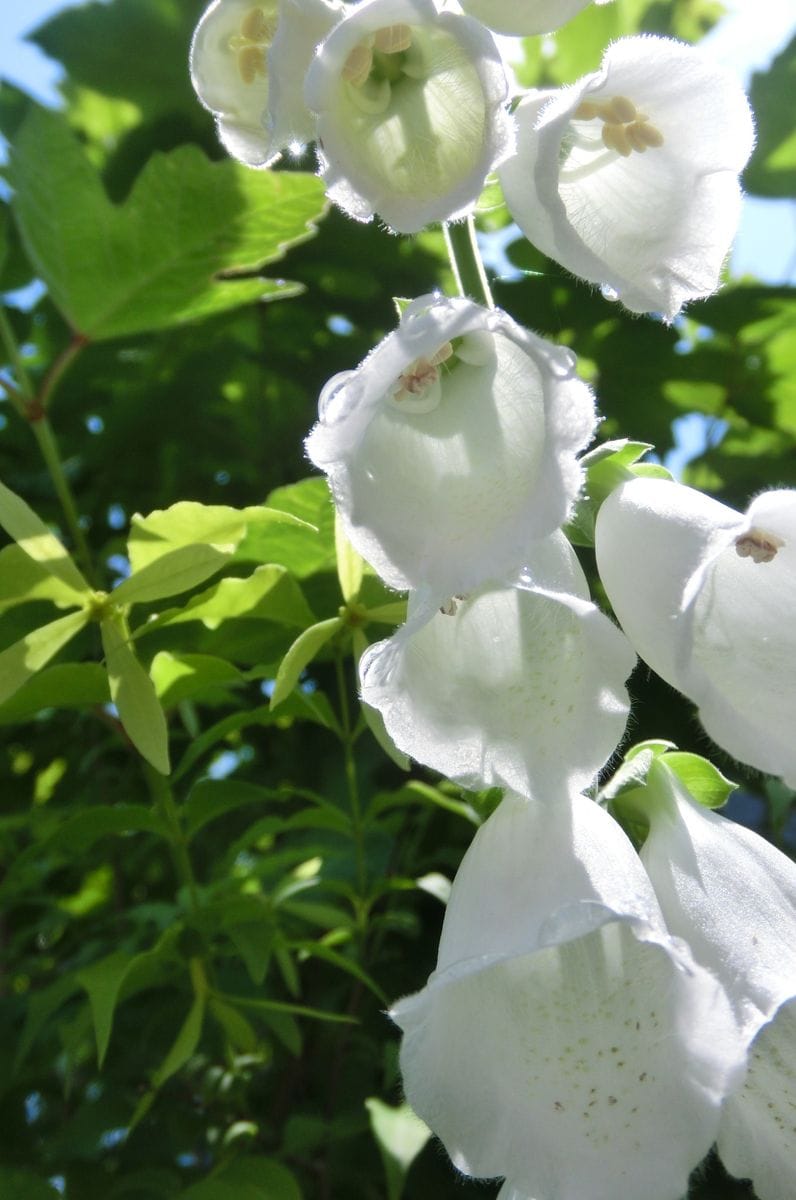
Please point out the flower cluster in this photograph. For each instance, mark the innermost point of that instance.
(599, 1015)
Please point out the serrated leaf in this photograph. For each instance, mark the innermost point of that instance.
(22, 660)
(400, 1135)
(702, 779)
(133, 693)
(350, 564)
(268, 594)
(35, 539)
(302, 652)
(178, 571)
(167, 255)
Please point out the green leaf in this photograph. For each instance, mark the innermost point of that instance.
(24, 1185)
(180, 569)
(607, 466)
(171, 253)
(703, 780)
(133, 693)
(350, 564)
(296, 1010)
(249, 1177)
(22, 660)
(22, 579)
(239, 1031)
(212, 798)
(772, 167)
(36, 540)
(189, 523)
(102, 981)
(42, 1007)
(183, 1047)
(303, 550)
(66, 685)
(179, 677)
(268, 594)
(303, 650)
(400, 1135)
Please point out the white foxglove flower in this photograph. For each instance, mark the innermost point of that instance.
(452, 447)
(525, 19)
(732, 896)
(519, 687)
(248, 62)
(629, 178)
(410, 107)
(706, 595)
(565, 1040)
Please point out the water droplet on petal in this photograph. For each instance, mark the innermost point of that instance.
(609, 293)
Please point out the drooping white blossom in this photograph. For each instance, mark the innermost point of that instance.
(629, 178)
(565, 1040)
(512, 686)
(706, 595)
(248, 62)
(527, 18)
(410, 112)
(732, 896)
(451, 448)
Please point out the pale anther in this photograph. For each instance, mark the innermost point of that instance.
(358, 64)
(758, 545)
(393, 39)
(625, 128)
(251, 63)
(255, 26)
(254, 36)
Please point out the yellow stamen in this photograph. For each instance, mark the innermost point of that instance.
(255, 27)
(251, 63)
(255, 34)
(615, 138)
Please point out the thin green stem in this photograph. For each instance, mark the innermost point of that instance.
(352, 782)
(466, 262)
(43, 432)
(15, 358)
(59, 368)
(161, 792)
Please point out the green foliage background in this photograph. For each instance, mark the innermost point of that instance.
(195, 968)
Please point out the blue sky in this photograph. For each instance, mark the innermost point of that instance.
(745, 40)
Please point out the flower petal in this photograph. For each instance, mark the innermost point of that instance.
(650, 211)
(527, 19)
(757, 1133)
(412, 134)
(453, 491)
(565, 1041)
(729, 893)
(521, 686)
(706, 597)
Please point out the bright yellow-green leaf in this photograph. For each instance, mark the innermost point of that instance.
(175, 572)
(303, 650)
(350, 564)
(400, 1135)
(133, 693)
(22, 660)
(22, 579)
(35, 539)
(269, 594)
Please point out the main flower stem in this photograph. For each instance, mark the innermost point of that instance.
(43, 432)
(466, 262)
(351, 780)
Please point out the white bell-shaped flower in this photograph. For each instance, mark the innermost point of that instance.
(248, 62)
(706, 595)
(410, 108)
(452, 447)
(513, 686)
(527, 18)
(565, 1040)
(629, 178)
(732, 896)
